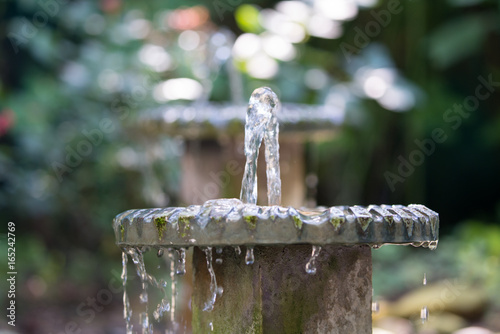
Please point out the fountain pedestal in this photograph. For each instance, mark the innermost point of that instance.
(276, 295)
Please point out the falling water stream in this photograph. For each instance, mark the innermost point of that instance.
(262, 124)
(424, 312)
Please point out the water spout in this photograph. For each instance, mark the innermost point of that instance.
(262, 124)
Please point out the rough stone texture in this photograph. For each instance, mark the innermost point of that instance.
(275, 294)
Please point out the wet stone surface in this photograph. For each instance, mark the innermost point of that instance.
(227, 222)
(276, 295)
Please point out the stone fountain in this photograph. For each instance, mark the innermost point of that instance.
(304, 270)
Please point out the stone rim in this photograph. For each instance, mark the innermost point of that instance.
(234, 223)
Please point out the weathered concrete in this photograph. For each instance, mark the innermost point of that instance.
(275, 294)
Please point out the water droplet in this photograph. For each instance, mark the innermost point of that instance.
(160, 252)
(218, 261)
(143, 297)
(161, 308)
(220, 290)
(218, 250)
(237, 250)
(375, 307)
(311, 264)
(211, 326)
(424, 314)
(424, 281)
(181, 266)
(249, 257)
(376, 246)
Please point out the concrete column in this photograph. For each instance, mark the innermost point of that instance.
(275, 294)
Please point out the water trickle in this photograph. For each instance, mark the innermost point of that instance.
(211, 326)
(237, 250)
(173, 290)
(262, 124)
(209, 305)
(249, 257)
(127, 311)
(424, 314)
(144, 320)
(181, 266)
(138, 259)
(375, 304)
(311, 264)
(160, 252)
(161, 308)
(143, 297)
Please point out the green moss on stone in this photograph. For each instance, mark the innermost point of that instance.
(364, 222)
(161, 224)
(184, 225)
(297, 221)
(336, 222)
(251, 221)
(217, 220)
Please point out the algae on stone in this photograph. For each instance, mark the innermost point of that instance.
(161, 224)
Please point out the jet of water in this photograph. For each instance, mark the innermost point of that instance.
(262, 124)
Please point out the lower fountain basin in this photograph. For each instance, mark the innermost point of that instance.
(225, 222)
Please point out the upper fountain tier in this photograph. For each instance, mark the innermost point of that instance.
(208, 120)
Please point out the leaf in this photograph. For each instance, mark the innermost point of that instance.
(458, 39)
(247, 18)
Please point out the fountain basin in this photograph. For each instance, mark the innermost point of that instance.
(230, 222)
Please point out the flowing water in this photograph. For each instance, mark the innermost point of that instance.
(249, 257)
(424, 312)
(127, 311)
(262, 124)
(209, 306)
(311, 264)
(375, 304)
